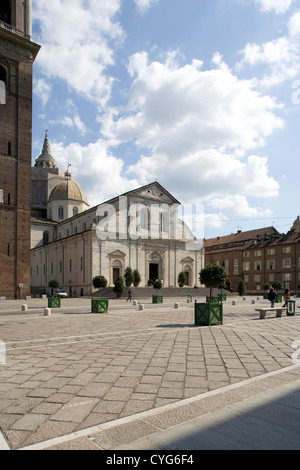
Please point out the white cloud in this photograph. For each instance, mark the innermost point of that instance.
(278, 6)
(280, 56)
(76, 38)
(198, 126)
(99, 172)
(143, 5)
(43, 90)
(294, 25)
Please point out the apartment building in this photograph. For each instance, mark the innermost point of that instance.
(258, 257)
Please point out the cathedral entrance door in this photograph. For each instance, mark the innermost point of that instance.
(153, 271)
(116, 273)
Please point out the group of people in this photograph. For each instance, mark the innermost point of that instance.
(272, 296)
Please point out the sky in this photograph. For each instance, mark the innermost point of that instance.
(202, 96)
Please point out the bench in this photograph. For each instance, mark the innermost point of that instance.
(263, 311)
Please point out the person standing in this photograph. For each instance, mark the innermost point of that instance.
(271, 297)
(129, 295)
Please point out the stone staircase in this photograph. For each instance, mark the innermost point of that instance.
(144, 292)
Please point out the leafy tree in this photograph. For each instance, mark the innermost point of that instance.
(277, 285)
(157, 284)
(136, 278)
(54, 283)
(241, 287)
(99, 282)
(212, 276)
(128, 275)
(119, 287)
(182, 279)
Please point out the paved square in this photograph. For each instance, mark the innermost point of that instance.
(74, 370)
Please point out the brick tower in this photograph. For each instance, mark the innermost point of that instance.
(17, 54)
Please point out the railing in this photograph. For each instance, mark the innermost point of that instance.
(8, 27)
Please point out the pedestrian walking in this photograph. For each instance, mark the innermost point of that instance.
(129, 295)
(286, 296)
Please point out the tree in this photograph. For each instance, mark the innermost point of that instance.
(182, 279)
(157, 284)
(119, 287)
(128, 275)
(277, 285)
(136, 278)
(54, 283)
(212, 276)
(241, 287)
(99, 282)
(266, 287)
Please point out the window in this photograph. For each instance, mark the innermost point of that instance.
(286, 263)
(45, 238)
(271, 251)
(70, 265)
(1, 196)
(257, 265)
(286, 277)
(257, 253)
(60, 212)
(2, 85)
(246, 266)
(286, 249)
(246, 254)
(236, 266)
(271, 264)
(75, 211)
(257, 278)
(5, 10)
(271, 278)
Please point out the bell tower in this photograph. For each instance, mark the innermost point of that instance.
(17, 55)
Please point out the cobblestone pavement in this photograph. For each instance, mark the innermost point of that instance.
(74, 374)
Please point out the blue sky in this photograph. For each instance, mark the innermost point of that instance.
(202, 96)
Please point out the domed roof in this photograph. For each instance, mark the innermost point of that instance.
(68, 190)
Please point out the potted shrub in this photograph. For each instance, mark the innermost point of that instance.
(157, 299)
(211, 313)
(241, 287)
(99, 305)
(128, 275)
(182, 279)
(119, 287)
(136, 278)
(53, 302)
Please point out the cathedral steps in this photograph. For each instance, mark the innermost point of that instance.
(144, 292)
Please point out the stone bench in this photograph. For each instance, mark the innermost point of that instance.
(263, 311)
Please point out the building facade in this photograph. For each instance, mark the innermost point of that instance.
(139, 229)
(258, 257)
(17, 54)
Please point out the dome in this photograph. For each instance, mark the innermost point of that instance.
(67, 190)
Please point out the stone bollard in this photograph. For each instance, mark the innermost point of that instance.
(47, 312)
(233, 302)
(24, 308)
(244, 298)
(141, 307)
(176, 305)
(253, 301)
(134, 302)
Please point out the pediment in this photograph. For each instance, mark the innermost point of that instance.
(117, 254)
(156, 193)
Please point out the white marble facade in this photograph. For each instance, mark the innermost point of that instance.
(140, 229)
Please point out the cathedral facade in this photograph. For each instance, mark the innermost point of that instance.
(72, 242)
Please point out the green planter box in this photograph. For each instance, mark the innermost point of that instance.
(207, 314)
(278, 298)
(53, 302)
(99, 305)
(214, 300)
(157, 299)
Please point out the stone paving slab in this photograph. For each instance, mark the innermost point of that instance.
(74, 371)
